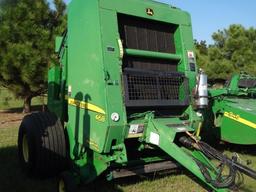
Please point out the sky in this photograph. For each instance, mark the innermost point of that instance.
(208, 16)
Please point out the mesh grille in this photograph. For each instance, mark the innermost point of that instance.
(145, 34)
(148, 88)
(169, 87)
(142, 87)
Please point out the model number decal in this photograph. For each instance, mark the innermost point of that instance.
(100, 117)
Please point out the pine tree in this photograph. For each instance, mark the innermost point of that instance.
(234, 50)
(27, 32)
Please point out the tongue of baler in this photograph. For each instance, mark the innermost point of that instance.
(194, 155)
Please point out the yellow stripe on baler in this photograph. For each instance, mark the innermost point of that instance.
(239, 119)
(85, 105)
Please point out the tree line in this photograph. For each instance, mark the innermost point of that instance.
(28, 29)
(233, 51)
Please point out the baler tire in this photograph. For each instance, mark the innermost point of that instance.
(67, 182)
(42, 147)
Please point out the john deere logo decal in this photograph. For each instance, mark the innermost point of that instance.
(149, 11)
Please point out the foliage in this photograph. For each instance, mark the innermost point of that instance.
(8, 102)
(27, 32)
(234, 50)
(201, 53)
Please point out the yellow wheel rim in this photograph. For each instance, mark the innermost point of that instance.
(61, 186)
(25, 149)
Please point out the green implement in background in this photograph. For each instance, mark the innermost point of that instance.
(233, 110)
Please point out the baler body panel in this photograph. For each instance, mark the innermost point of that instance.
(85, 71)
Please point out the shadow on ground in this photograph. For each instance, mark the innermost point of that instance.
(13, 179)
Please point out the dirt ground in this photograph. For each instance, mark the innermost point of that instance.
(10, 119)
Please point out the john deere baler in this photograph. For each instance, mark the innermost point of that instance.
(120, 101)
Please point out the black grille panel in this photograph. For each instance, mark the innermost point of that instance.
(142, 87)
(145, 34)
(169, 87)
(148, 88)
(150, 64)
(151, 83)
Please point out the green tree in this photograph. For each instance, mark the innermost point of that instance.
(27, 32)
(201, 46)
(201, 54)
(234, 50)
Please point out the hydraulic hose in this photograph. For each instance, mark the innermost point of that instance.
(221, 180)
(213, 153)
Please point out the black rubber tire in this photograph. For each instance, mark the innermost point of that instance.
(67, 182)
(46, 143)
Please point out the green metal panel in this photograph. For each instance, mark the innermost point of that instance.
(162, 12)
(85, 61)
(54, 101)
(184, 157)
(112, 68)
(151, 54)
(238, 123)
(187, 45)
(234, 110)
